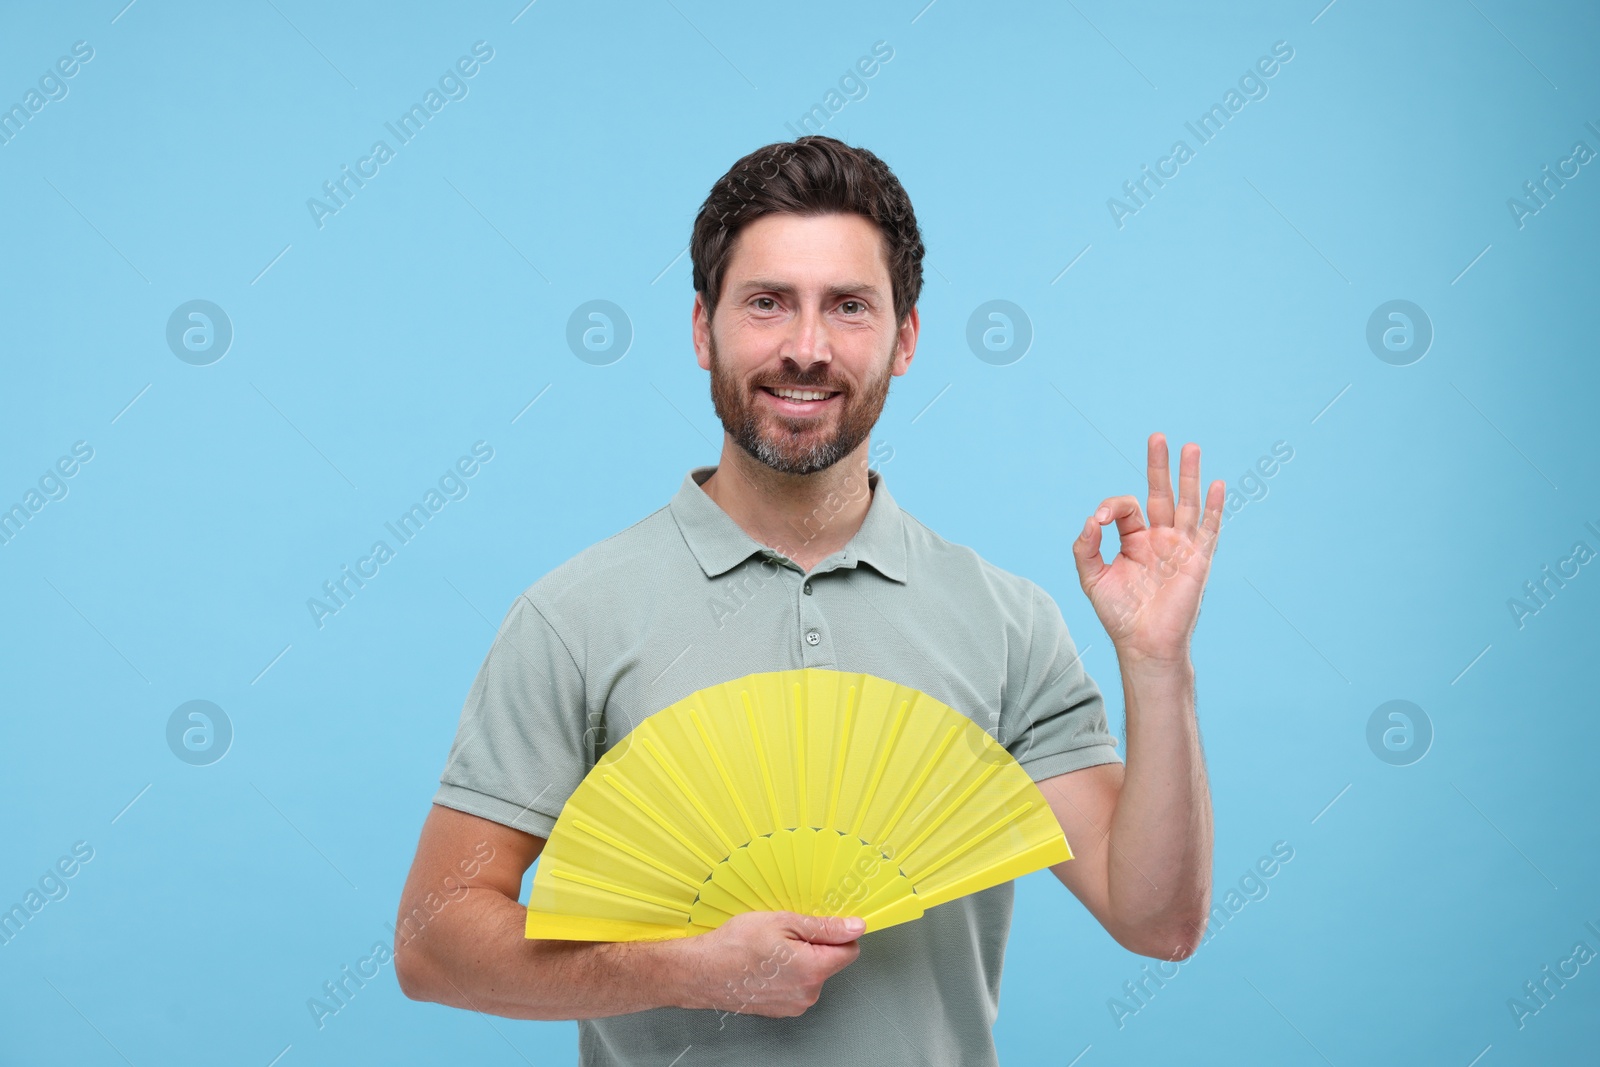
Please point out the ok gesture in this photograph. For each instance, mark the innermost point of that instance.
(1148, 597)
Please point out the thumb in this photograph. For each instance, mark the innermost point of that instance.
(827, 929)
(1086, 553)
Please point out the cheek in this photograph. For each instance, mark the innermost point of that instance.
(746, 341)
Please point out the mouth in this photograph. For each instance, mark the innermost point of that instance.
(794, 401)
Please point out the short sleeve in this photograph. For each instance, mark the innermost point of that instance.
(523, 744)
(1054, 718)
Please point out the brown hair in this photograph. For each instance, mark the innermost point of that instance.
(808, 176)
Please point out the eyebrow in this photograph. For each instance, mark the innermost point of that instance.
(847, 288)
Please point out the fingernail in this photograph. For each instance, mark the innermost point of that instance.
(854, 926)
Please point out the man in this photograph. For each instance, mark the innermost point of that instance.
(790, 553)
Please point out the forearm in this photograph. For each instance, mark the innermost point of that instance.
(1159, 873)
(473, 955)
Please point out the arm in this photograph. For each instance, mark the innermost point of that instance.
(1142, 833)
(459, 940)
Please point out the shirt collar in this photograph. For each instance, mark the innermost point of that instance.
(720, 544)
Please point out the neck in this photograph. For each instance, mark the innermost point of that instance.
(806, 517)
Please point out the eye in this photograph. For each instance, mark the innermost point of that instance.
(765, 303)
(852, 307)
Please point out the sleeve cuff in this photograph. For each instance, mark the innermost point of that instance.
(519, 817)
(1056, 763)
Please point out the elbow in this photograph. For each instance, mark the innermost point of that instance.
(1186, 944)
(1176, 938)
(413, 973)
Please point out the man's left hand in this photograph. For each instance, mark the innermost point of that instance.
(1148, 597)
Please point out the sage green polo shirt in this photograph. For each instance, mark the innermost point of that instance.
(685, 599)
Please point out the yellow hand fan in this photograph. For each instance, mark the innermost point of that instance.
(811, 791)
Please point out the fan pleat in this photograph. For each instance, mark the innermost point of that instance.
(972, 842)
(865, 804)
(916, 787)
(621, 890)
(689, 793)
(799, 713)
(761, 758)
(943, 817)
(727, 781)
(623, 846)
(843, 749)
(660, 821)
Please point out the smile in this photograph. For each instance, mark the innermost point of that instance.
(799, 401)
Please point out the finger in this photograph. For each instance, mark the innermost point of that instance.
(1211, 525)
(827, 929)
(1189, 486)
(1086, 553)
(1160, 482)
(835, 958)
(1124, 510)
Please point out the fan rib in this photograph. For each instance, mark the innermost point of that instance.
(727, 781)
(975, 840)
(683, 787)
(761, 886)
(620, 890)
(800, 751)
(916, 787)
(623, 846)
(944, 816)
(775, 822)
(824, 846)
(843, 755)
(877, 774)
(761, 756)
(657, 818)
(759, 905)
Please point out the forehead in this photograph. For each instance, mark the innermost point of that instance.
(809, 247)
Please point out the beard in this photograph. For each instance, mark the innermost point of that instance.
(792, 445)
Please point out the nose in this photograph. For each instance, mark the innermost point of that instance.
(807, 345)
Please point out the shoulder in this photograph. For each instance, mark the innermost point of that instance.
(615, 565)
(964, 575)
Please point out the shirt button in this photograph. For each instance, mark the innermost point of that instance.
(808, 589)
(812, 637)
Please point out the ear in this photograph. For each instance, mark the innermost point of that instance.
(700, 331)
(906, 342)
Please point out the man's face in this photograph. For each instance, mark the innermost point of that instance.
(806, 305)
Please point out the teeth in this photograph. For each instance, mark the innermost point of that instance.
(800, 394)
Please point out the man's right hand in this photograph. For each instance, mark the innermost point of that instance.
(770, 963)
(468, 949)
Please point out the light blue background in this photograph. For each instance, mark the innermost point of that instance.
(370, 353)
